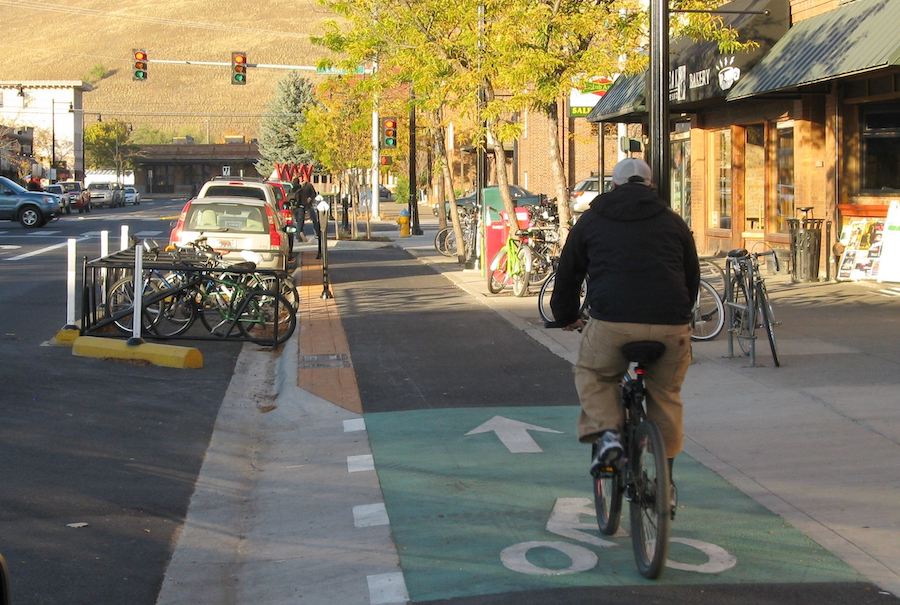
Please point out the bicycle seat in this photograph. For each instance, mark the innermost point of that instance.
(643, 351)
(738, 253)
(243, 266)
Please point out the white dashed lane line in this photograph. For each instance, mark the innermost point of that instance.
(358, 464)
(354, 424)
(387, 588)
(370, 515)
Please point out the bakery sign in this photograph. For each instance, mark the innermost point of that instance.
(583, 98)
(703, 83)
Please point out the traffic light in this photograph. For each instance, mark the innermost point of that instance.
(389, 133)
(239, 68)
(140, 64)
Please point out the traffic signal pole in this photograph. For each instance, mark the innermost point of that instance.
(416, 229)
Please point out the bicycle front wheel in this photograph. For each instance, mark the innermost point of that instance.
(709, 313)
(742, 324)
(608, 502)
(544, 296)
(445, 241)
(650, 502)
(522, 278)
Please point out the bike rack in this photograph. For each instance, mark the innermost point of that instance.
(99, 274)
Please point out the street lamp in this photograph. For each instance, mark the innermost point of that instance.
(53, 103)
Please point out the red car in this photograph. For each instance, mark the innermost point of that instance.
(282, 199)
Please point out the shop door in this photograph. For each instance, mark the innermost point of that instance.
(754, 184)
(681, 178)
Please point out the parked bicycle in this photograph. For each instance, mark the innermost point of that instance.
(445, 239)
(642, 476)
(747, 301)
(231, 300)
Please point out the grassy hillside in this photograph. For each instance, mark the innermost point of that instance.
(67, 39)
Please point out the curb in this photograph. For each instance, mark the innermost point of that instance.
(169, 356)
(66, 336)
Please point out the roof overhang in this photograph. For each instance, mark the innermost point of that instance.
(851, 40)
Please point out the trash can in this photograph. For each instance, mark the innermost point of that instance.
(806, 245)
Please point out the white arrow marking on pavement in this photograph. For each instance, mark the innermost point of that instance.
(513, 434)
(9, 247)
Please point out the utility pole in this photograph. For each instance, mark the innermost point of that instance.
(416, 229)
(659, 98)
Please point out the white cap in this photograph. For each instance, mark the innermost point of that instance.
(631, 170)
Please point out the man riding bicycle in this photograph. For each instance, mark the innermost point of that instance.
(642, 273)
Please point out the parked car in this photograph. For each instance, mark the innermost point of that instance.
(132, 196)
(78, 200)
(111, 195)
(233, 224)
(384, 194)
(247, 187)
(586, 191)
(65, 205)
(492, 199)
(31, 208)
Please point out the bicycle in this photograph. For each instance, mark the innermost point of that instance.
(747, 301)
(642, 475)
(445, 239)
(511, 266)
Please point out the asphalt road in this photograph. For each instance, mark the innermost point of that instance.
(113, 445)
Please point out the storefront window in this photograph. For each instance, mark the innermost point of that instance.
(755, 177)
(681, 178)
(881, 148)
(784, 187)
(720, 209)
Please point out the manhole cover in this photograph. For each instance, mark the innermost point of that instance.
(333, 360)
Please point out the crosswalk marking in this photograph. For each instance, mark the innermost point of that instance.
(890, 291)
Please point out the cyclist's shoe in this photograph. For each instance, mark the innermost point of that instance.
(606, 454)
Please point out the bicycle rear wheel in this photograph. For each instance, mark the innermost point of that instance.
(709, 313)
(650, 502)
(744, 329)
(261, 313)
(497, 277)
(765, 311)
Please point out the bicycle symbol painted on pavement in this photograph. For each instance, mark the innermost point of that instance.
(566, 521)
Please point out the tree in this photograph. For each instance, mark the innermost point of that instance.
(106, 145)
(278, 139)
(337, 133)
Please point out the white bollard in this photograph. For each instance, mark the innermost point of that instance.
(138, 291)
(123, 237)
(70, 287)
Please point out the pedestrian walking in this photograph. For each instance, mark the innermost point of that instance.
(308, 195)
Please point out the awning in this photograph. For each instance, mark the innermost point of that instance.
(623, 102)
(699, 74)
(856, 38)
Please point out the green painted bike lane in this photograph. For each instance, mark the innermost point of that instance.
(481, 509)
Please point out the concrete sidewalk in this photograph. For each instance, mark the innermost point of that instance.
(817, 441)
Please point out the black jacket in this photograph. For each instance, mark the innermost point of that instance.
(308, 195)
(639, 258)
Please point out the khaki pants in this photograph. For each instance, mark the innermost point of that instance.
(600, 368)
